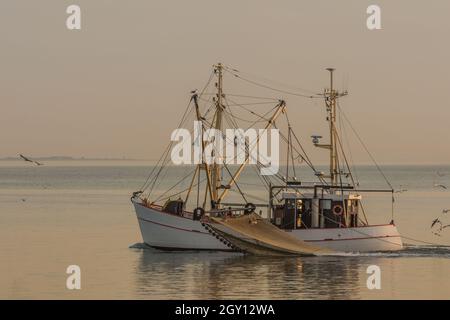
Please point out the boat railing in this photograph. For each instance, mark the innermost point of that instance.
(320, 187)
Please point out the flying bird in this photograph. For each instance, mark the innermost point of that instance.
(446, 211)
(440, 186)
(400, 189)
(436, 221)
(436, 231)
(29, 160)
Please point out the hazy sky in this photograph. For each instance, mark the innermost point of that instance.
(118, 87)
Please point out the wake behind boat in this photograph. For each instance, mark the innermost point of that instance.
(303, 217)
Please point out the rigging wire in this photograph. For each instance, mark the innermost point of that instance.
(241, 104)
(273, 89)
(244, 96)
(165, 154)
(245, 120)
(252, 97)
(349, 172)
(371, 157)
(365, 148)
(235, 125)
(425, 242)
(251, 196)
(235, 182)
(278, 83)
(343, 130)
(181, 192)
(303, 155)
(176, 184)
(163, 167)
(344, 156)
(305, 159)
(250, 111)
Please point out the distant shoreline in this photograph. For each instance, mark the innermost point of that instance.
(154, 161)
(64, 158)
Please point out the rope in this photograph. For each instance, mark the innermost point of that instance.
(150, 183)
(271, 88)
(425, 242)
(346, 141)
(251, 196)
(182, 191)
(245, 96)
(175, 185)
(250, 111)
(231, 70)
(235, 125)
(303, 155)
(365, 147)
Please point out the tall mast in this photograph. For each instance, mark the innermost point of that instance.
(331, 108)
(217, 168)
(331, 95)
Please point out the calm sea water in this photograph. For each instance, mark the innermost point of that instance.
(79, 212)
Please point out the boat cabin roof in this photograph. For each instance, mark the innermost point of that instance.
(335, 197)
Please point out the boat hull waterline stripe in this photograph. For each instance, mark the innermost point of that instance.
(167, 226)
(318, 240)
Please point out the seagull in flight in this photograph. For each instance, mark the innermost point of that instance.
(440, 174)
(401, 190)
(436, 231)
(436, 221)
(440, 186)
(29, 160)
(446, 211)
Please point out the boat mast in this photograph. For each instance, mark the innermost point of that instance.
(331, 95)
(330, 99)
(217, 168)
(203, 164)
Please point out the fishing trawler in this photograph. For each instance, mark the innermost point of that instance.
(302, 217)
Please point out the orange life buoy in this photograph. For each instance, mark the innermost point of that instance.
(338, 210)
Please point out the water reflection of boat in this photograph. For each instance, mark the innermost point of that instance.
(326, 214)
(215, 275)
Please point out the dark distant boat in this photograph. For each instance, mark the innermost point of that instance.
(303, 217)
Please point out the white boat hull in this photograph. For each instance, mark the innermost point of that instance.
(171, 232)
(358, 239)
(167, 231)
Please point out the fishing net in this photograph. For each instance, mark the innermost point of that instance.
(253, 234)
